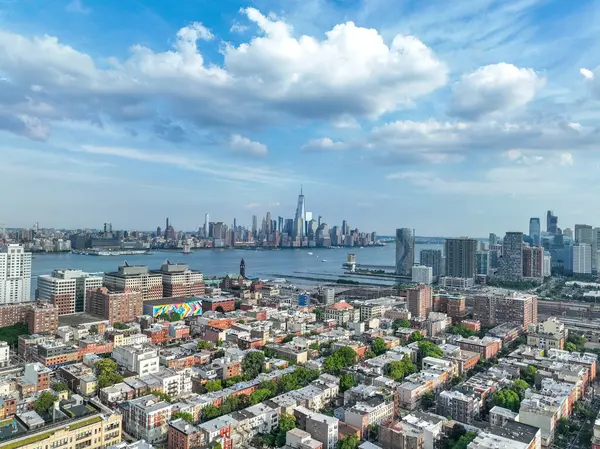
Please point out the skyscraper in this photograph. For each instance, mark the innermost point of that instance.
(511, 265)
(300, 217)
(551, 223)
(405, 251)
(584, 234)
(254, 225)
(582, 258)
(432, 258)
(493, 240)
(206, 225)
(533, 261)
(461, 257)
(535, 231)
(15, 274)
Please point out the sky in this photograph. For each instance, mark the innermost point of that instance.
(452, 118)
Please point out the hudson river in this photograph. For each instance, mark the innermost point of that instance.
(324, 263)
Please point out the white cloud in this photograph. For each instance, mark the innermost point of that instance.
(587, 73)
(494, 88)
(350, 73)
(566, 159)
(324, 144)
(243, 145)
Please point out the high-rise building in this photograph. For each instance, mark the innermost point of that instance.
(551, 223)
(405, 251)
(533, 261)
(15, 274)
(280, 224)
(67, 289)
(547, 264)
(582, 258)
(493, 239)
(206, 225)
(135, 278)
(432, 258)
(254, 225)
(483, 262)
(511, 264)
(117, 307)
(179, 280)
(422, 274)
(108, 228)
(492, 309)
(300, 217)
(535, 231)
(568, 232)
(419, 301)
(584, 234)
(461, 257)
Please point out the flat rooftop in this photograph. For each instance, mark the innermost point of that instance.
(76, 319)
(177, 300)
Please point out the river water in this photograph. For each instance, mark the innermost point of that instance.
(323, 262)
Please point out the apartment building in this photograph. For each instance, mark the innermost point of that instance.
(415, 385)
(513, 436)
(148, 418)
(97, 429)
(457, 405)
(137, 358)
(374, 410)
(419, 301)
(516, 307)
(486, 347)
(15, 274)
(116, 307)
(417, 430)
(135, 278)
(549, 334)
(183, 435)
(179, 280)
(42, 318)
(342, 313)
(67, 289)
(321, 427)
(453, 305)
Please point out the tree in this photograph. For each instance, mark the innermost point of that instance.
(519, 386)
(456, 380)
(210, 412)
(400, 323)
(60, 386)
(106, 365)
(462, 330)
(570, 346)
(379, 346)
(186, 416)
(415, 336)
(286, 423)
(349, 442)
(271, 386)
(528, 374)
(253, 363)
(203, 344)
(398, 370)
(427, 399)
(563, 426)
(340, 359)
(213, 385)
(108, 379)
(120, 326)
(220, 309)
(288, 338)
(319, 313)
(428, 349)
(162, 396)
(258, 396)
(347, 381)
(578, 340)
(45, 402)
(508, 399)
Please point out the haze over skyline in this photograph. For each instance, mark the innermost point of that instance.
(452, 119)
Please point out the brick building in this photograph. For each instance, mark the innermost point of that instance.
(117, 307)
(179, 280)
(223, 303)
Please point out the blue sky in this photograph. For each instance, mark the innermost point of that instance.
(453, 118)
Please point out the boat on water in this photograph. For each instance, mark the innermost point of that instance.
(323, 260)
(310, 254)
(186, 249)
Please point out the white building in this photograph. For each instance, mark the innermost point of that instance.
(582, 259)
(15, 274)
(137, 358)
(4, 354)
(329, 295)
(67, 289)
(148, 418)
(422, 274)
(547, 270)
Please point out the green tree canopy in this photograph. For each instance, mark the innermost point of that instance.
(508, 399)
(379, 346)
(528, 374)
(427, 399)
(347, 381)
(286, 423)
(519, 386)
(186, 416)
(349, 442)
(400, 323)
(203, 344)
(340, 359)
(60, 386)
(162, 396)
(213, 385)
(398, 370)
(45, 402)
(415, 336)
(571, 347)
(428, 349)
(252, 364)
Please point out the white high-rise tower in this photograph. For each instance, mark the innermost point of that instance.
(206, 220)
(300, 218)
(15, 274)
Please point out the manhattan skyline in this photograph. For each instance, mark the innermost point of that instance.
(384, 112)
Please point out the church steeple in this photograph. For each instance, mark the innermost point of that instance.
(243, 268)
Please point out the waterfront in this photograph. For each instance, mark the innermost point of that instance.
(217, 262)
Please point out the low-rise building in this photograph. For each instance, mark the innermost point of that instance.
(342, 312)
(321, 427)
(486, 347)
(137, 358)
(147, 418)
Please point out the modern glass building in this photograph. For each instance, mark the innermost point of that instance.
(405, 251)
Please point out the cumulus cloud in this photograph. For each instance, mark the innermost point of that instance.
(587, 73)
(324, 144)
(243, 145)
(494, 88)
(350, 72)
